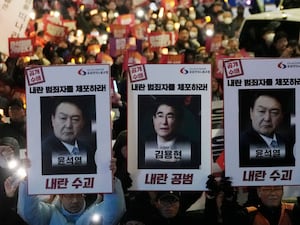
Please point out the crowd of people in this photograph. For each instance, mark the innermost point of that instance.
(87, 44)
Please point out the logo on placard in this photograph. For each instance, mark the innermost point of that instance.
(194, 70)
(91, 71)
(293, 64)
(281, 65)
(183, 70)
(81, 72)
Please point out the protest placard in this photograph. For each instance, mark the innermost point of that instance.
(260, 120)
(169, 127)
(68, 135)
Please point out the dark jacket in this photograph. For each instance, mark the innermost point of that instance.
(252, 138)
(70, 165)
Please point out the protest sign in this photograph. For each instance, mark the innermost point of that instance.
(68, 116)
(260, 108)
(169, 127)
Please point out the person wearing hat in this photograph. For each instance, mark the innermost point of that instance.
(170, 210)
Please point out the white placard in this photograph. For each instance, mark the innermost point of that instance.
(184, 162)
(63, 102)
(259, 95)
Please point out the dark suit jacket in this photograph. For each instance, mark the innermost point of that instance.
(53, 146)
(193, 163)
(251, 137)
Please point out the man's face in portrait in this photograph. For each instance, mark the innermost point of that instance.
(67, 122)
(266, 115)
(164, 122)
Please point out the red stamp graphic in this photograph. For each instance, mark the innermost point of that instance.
(137, 73)
(233, 68)
(35, 75)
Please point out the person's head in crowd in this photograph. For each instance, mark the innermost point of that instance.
(6, 85)
(194, 32)
(96, 19)
(67, 120)
(16, 110)
(9, 152)
(220, 17)
(201, 55)
(292, 49)
(182, 21)
(169, 25)
(90, 59)
(280, 42)
(189, 24)
(151, 55)
(168, 204)
(73, 203)
(216, 87)
(167, 118)
(270, 196)
(189, 56)
(183, 34)
(268, 35)
(227, 17)
(217, 7)
(266, 113)
(152, 25)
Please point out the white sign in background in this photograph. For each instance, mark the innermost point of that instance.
(63, 81)
(177, 81)
(244, 76)
(14, 18)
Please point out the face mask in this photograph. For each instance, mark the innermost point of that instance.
(152, 26)
(224, 43)
(193, 34)
(169, 27)
(228, 20)
(220, 18)
(269, 38)
(182, 22)
(192, 16)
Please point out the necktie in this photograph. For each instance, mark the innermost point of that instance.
(75, 151)
(274, 144)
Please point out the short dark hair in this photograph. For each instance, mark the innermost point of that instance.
(171, 101)
(68, 99)
(270, 93)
